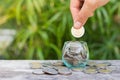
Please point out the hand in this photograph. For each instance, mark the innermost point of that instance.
(83, 9)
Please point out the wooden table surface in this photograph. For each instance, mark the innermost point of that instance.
(20, 70)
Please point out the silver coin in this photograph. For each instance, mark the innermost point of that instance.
(46, 64)
(50, 71)
(77, 32)
(38, 71)
(64, 71)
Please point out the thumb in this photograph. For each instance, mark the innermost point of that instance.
(82, 16)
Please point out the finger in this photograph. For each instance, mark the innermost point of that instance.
(83, 16)
(91, 14)
(75, 7)
(102, 2)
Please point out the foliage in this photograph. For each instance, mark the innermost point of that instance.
(44, 25)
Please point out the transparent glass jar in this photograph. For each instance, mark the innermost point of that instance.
(75, 54)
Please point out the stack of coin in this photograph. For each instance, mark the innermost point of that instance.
(100, 67)
(50, 68)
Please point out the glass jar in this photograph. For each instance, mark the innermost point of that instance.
(75, 54)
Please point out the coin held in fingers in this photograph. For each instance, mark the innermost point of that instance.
(78, 32)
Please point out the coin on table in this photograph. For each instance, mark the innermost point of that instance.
(77, 69)
(101, 66)
(38, 72)
(77, 32)
(90, 71)
(59, 63)
(48, 65)
(107, 63)
(60, 67)
(35, 65)
(91, 63)
(50, 71)
(105, 71)
(64, 71)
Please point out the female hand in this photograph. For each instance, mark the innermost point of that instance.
(83, 9)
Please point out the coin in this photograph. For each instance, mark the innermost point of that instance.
(77, 69)
(84, 54)
(61, 67)
(59, 63)
(48, 65)
(35, 65)
(101, 66)
(90, 71)
(77, 32)
(91, 63)
(50, 71)
(75, 62)
(107, 63)
(64, 71)
(105, 71)
(38, 72)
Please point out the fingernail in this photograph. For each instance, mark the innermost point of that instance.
(77, 25)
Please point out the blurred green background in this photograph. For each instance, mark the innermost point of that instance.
(42, 27)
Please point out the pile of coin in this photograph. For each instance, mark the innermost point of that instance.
(74, 54)
(93, 67)
(50, 68)
(59, 68)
